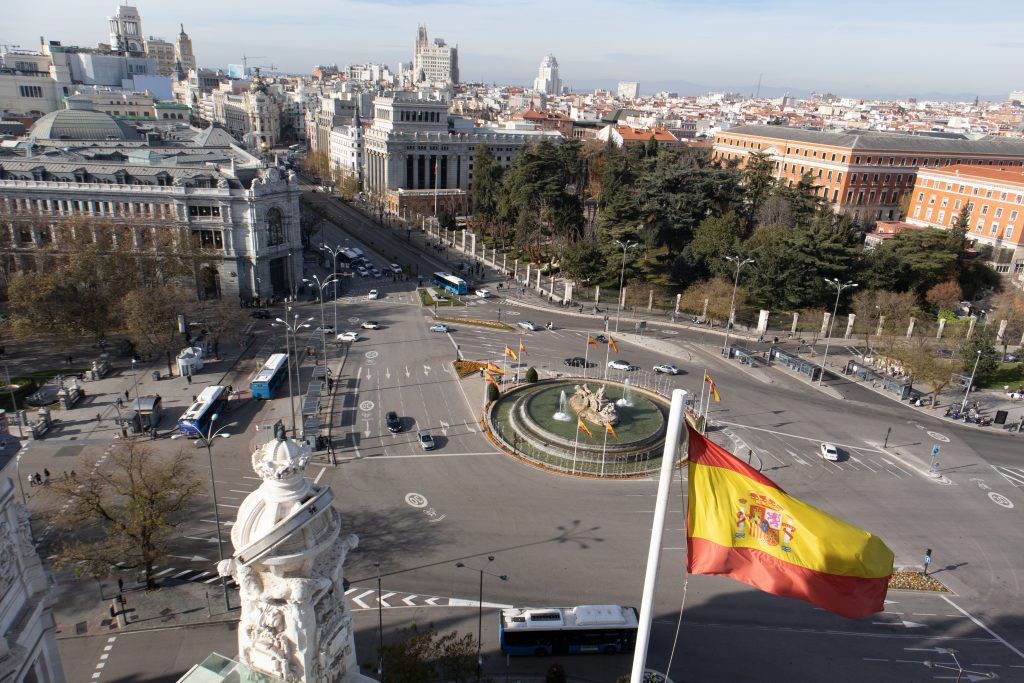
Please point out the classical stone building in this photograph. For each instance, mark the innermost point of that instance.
(28, 643)
(164, 182)
(434, 63)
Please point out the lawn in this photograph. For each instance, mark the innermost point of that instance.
(1007, 374)
(445, 299)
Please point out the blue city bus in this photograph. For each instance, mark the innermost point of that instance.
(196, 420)
(586, 629)
(270, 376)
(455, 285)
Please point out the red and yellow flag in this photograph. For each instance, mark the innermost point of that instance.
(491, 367)
(581, 427)
(591, 340)
(611, 342)
(740, 524)
(714, 391)
(490, 378)
(611, 430)
(522, 349)
(510, 353)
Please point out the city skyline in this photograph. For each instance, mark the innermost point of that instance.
(682, 46)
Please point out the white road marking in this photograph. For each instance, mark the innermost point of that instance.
(383, 599)
(358, 599)
(319, 475)
(978, 623)
(858, 460)
(409, 600)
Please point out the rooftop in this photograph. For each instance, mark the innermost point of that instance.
(1000, 174)
(881, 141)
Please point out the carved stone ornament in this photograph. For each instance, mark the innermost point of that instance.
(593, 406)
(28, 547)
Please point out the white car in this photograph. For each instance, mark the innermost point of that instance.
(374, 294)
(528, 325)
(829, 451)
(667, 369)
(483, 293)
(371, 325)
(348, 337)
(396, 269)
(439, 327)
(620, 365)
(328, 329)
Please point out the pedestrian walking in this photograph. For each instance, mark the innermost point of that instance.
(120, 585)
(73, 475)
(46, 475)
(120, 403)
(99, 418)
(39, 480)
(31, 480)
(189, 377)
(126, 395)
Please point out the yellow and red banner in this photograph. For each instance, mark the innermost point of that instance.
(591, 340)
(611, 430)
(714, 391)
(510, 353)
(611, 342)
(580, 427)
(491, 367)
(740, 524)
(490, 378)
(522, 349)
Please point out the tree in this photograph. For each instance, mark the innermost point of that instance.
(583, 262)
(717, 293)
(424, 656)
(484, 195)
(945, 295)
(123, 514)
(222, 320)
(1008, 305)
(913, 260)
(759, 179)
(927, 368)
(151, 318)
(687, 269)
(982, 341)
(531, 376)
(493, 393)
(717, 237)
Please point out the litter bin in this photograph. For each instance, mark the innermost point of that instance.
(156, 375)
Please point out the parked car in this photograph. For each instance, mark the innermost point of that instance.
(666, 369)
(575, 362)
(393, 422)
(829, 451)
(261, 313)
(528, 325)
(376, 272)
(620, 365)
(363, 272)
(371, 325)
(374, 294)
(483, 293)
(438, 327)
(348, 337)
(396, 269)
(426, 441)
(327, 329)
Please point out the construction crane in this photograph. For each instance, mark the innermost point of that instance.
(245, 63)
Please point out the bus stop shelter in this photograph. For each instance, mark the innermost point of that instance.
(745, 355)
(144, 414)
(796, 363)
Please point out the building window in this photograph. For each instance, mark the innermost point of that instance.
(1009, 232)
(941, 218)
(875, 178)
(928, 215)
(994, 229)
(208, 239)
(920, 197)
(853, 178)
(984, 210)
(275, 228)
(203, 211)
(981, 225)
(30, 91)
(956, 204)
(999, 212)
(1013, 216)
(931, 199)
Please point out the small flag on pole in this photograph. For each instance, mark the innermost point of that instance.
(511, 354)
(611, 342)
(490, 378)
(714, 391)
(582, 427)
(591, 340)
(522, 349)
(611, 430)
(491, 367)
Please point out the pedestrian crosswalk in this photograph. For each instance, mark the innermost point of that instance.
(1013, 475)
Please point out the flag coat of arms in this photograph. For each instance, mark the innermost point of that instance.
(510, 353)
(714, 391)
(581, 427)
(491, 367)
(741, 525)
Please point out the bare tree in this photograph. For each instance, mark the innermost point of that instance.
(122, 514)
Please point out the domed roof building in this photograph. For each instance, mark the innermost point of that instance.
(80, 121)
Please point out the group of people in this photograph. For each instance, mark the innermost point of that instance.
(44, 478)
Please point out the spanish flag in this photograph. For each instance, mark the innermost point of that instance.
(581, 427)
(491, 367)
(741, 525)
(611, 342)
(490, 378)
(522, 349)
(510, 353)
(611, 430)
(591, 340)
(714, 391)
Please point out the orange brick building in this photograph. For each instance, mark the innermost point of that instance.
(867, 173)
(995, 196)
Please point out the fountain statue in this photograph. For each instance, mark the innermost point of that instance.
(627, 396)
(593, 406)
(563, 409)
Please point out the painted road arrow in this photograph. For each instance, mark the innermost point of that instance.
(409, 600)
(383, 599)
(905, 624)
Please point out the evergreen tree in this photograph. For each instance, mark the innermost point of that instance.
(486, 189)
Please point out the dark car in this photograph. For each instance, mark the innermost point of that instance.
(261, 313)
(393, 422)
(575, 362)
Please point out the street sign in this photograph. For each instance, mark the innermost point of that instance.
(935, 450)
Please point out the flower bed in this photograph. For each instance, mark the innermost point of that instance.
(465, 368)
(493, 324)
(913, 580)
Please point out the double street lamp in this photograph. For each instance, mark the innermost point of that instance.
(207, 440)
(291, 328)
(480, 614)
(732, 306)
(840, 286)
(967, 391)
(323, 332)
(626, 246)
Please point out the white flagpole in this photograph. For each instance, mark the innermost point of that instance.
(607, 352)
(518, 363)
(700, 407)
(577, 445)
(604, 449)
(586, 357)
(675, 436)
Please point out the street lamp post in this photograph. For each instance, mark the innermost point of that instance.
(626, 246)
(732, 305)
(380, 625)
(135, 379)
(208, 442)
(967, 391)
(840, 286)
(14, 403)
(334, 253)
(292, 328)
(956, 666)
(480, 612)
(323, 333)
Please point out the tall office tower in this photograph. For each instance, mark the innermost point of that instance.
(628, 90)
(183, 51)
(162, 52)
(547, 80)
(434, 63)
(126, 31)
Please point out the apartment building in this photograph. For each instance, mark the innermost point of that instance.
(867, 173)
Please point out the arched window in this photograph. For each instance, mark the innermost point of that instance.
(275, 228)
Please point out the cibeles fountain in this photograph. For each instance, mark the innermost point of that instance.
(289, 552)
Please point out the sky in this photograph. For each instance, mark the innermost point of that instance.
(892, 48)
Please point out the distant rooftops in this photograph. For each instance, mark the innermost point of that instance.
(882, 141)
(999, 174)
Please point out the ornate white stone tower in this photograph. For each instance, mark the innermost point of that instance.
(289, 550)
